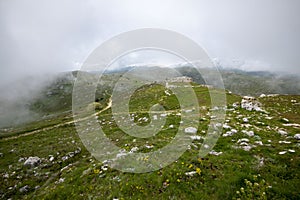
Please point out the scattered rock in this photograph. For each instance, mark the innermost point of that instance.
(297, 136)
(230, 133)
(282, 152)
(226, 126)
(104, 167)
(167, 93)
(262, 96)
(149, 146)
(236, 105)
(249, 133)
(245, 120)
(259, 143)
(32, 161)
(215, 153)
(192, 173)
(292, 125)
(250, 103)
(64, 158)
(246, 147)
(244, 144)
(163, 115)
(234, 131)
(285, 120)
(6, 175)
(190, 130)
(51, 158)
(282, 132)
(61, 180)
(71, 154)
(284, 142)
(243, 140)
(24, 189)
(66, 167)
(133, 149)
(196, 137)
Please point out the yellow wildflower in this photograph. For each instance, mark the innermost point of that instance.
(198, 170)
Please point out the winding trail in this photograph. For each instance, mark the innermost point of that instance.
(60, 125)
(78, 120)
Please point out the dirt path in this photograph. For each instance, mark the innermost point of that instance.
(78, 120)
(60, 125)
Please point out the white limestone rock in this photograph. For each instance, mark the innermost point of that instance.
(190, 130)
(297, 136)
(32, 161)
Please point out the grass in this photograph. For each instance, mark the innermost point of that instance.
(216, 177)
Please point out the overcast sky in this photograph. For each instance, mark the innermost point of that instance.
(42, 36)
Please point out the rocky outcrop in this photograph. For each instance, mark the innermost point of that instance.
(251, 104)
(32, 161)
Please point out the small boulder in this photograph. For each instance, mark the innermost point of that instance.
(282, 152)
(32, 161)
(285, 120)
(190, 130)
(195, 137)
(215, 153)
(245, 120)
(192, 173)
(282, 132)
(226, 126)
(51, 158)
(243, 140)
(262, 96)
(250, 104)
(249, 133)
(24, 189)
(297, 136)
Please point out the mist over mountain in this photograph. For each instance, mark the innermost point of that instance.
(252, 83)
(34, 97)
(17, 96)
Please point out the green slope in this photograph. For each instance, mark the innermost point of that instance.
(271, 174)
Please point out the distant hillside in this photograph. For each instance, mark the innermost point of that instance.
(34, 97)
(251, 83)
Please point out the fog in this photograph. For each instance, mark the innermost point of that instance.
(57, 35)
(40, 37)
(16, 97)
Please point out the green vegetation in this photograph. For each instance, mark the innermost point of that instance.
(251, 83)
(68, 171)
